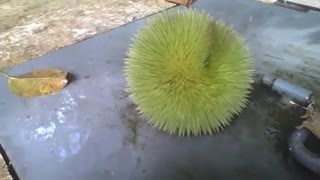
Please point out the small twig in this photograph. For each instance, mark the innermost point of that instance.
(183, 2)
(293, 103)
(273, 56)
(188, 3)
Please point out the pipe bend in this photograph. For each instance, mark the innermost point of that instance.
(307, 158)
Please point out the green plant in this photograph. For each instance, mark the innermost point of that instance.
(188, 73)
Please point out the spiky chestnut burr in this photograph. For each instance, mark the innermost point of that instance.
(188, 73)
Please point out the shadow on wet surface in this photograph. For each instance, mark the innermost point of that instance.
(278, 120)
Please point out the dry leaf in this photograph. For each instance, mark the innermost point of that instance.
(310, 111)
(314, 123)
(181, 2)
(37, 83)
(313, 126)
(306, 115)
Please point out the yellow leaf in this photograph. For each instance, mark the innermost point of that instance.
(306, 115)
(313, 124)
(37, 83)
(310, 111)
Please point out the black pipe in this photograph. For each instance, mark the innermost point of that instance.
(301, 153)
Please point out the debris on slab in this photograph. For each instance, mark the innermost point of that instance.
(313, 124)
(37, 83)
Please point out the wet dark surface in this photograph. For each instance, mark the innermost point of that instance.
(91, 130)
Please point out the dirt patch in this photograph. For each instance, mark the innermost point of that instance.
(29, 29)
(132, 121)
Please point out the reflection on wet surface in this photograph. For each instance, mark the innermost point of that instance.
(280, 120)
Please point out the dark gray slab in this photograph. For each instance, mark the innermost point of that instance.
(90, 131)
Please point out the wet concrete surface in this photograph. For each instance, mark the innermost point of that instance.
(91, 130)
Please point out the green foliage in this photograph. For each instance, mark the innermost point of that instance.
(187, 73)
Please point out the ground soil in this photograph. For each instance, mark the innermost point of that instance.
(31, 28)
(4, 174)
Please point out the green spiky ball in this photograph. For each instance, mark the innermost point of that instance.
(187, 73)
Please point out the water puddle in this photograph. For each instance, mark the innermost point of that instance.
(280, 120)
